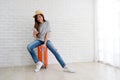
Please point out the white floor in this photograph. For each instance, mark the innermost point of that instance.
(84, 71)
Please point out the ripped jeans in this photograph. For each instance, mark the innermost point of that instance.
(49, 45)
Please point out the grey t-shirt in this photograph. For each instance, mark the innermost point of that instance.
(43, 29)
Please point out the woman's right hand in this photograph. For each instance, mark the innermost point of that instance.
(35, 34)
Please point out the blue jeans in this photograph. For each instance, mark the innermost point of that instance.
(49, 45)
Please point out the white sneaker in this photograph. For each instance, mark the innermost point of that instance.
(66, 69)
(38, 67)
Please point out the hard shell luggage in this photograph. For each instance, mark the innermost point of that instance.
(43, 55)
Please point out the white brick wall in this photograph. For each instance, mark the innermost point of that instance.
(72, 29)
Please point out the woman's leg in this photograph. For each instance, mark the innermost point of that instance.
(56, 54)
(31, 47)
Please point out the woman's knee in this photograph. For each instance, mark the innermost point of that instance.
(28, 46)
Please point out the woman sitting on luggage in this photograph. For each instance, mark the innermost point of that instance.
(41, 33)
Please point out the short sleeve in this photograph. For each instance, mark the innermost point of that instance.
(48, 27)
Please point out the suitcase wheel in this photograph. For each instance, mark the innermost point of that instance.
(45, 67)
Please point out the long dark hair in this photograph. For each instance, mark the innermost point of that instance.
(36, 25)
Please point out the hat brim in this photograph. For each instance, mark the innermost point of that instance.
(36, 14)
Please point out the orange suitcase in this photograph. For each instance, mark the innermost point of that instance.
(43, 55)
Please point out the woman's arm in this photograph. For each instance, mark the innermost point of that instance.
(46, 37)
(35, 32)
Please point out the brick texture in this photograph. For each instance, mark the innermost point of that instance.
(72, 30)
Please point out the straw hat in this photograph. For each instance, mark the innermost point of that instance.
(37, 12)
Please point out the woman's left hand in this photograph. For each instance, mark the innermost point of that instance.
(44, 45)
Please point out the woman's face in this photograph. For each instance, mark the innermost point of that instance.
(40, 18)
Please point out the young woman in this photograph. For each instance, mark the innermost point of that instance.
(41, 33)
